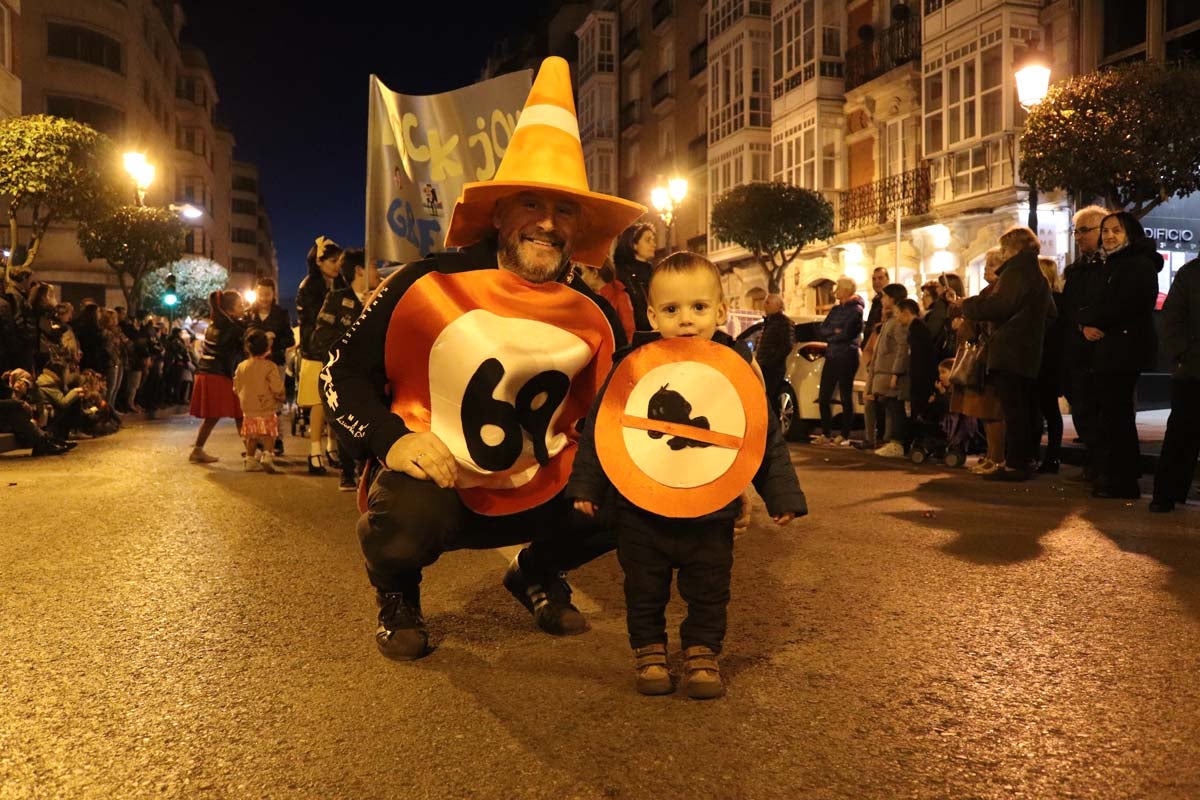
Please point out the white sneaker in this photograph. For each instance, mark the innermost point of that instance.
(819, 440)
(982, 466)
(891, 450)
(198, 456)
(250, 464)
(267, 462)
(840, 440)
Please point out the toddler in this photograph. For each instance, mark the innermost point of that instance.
(684, 299)
(259, 388)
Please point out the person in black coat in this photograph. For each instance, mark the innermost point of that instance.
(1018, 310)
(924, 356)
(1079, 290)
(1181, 344)
(879, 279)
(1120, 323)
(323, 260)
(842, 331)
(635, 247)
(775, 343)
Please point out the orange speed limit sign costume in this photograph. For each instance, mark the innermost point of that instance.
(682, 427)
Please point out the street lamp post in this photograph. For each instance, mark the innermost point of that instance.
(142, 172)
(1032, 71)
(667, 200)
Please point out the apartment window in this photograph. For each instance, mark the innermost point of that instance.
(103, 118)
(245, 236)
(934, 142)
(666, 140)
(194, 241)
(760, 163)
(960, 102)
(760, 89)
(897, 146)
(587, 54)
(724, 14)
(241, 183)
(245, 207)
(832, 138)
(586, 116)
(991, 90)
(1124, 26)
(605, 112)
(606, 53)
(83, 44)
(666, 57)
(631, 160)
(604, 173)
(727, 92)
(247, 266)
(630, 17)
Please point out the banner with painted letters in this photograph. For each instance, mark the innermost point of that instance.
(420, 152)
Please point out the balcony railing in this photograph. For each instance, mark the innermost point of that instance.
(698, 151)
(698, 59)
(661, 10)
(876, 203)
(891, 48)
(629, 42)
(631, 114)
(662, 88)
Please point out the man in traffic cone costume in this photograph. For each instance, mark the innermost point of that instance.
(467, 373)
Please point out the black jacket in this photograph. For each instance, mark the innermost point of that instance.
(1124, 309)
(1080, 289)
(309, 299)
(338, 312)
(1019, 308)
(222, 348)
(1051, 373)
(635, 275)
(937, 320)
(775, 481)
(875, 315)
(924, 356)
(358, 383)
(278, 323)
(775, 342)
(1181, 322)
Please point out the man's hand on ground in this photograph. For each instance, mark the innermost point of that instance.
(425, 457)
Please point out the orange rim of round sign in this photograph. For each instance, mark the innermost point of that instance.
(611, 420)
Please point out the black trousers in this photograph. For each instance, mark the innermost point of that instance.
(1047, 414)
(1181, 445)
(838, 373)
(1016, 398)
(409, 523)
(651, 549)
(1118, 455)
(1081, 395)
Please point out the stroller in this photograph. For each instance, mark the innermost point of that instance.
(941, 433)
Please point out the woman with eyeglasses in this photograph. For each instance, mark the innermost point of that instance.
(1120, 324)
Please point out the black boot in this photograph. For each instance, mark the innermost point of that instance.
(401, 633)
(1048, 466)
(548, 599)
(46, 446)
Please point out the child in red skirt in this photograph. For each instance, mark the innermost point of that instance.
(212, 395)
(259, 389)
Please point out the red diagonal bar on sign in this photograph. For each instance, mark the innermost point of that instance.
(686, 431)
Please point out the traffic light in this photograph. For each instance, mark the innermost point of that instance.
(170, 298)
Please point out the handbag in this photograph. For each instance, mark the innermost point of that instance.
(970, 365)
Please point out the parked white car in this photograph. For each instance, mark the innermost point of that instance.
(798, 410)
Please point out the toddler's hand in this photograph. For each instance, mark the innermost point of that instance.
(784, 519)
(586, 507)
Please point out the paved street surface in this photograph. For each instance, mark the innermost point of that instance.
(173, 630)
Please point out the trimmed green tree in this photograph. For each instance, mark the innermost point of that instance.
(53, 169)
(196, 277)
(774, 221)
(1129, 134)
(134, 241)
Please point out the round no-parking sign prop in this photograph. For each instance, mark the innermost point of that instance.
(682, 427)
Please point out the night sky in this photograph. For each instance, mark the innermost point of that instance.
(292, 81)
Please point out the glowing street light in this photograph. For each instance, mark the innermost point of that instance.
(1032, 72)
(142, 172)
(667, 200)
(187, 210)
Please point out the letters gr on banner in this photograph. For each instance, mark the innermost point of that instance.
(421, 150)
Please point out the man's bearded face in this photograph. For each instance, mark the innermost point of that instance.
(537, 234)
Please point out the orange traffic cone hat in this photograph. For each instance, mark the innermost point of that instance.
(545, 154)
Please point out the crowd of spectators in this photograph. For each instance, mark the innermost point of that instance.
(70, 372)
(998, 362)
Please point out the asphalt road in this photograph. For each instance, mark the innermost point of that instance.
(173, 630)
